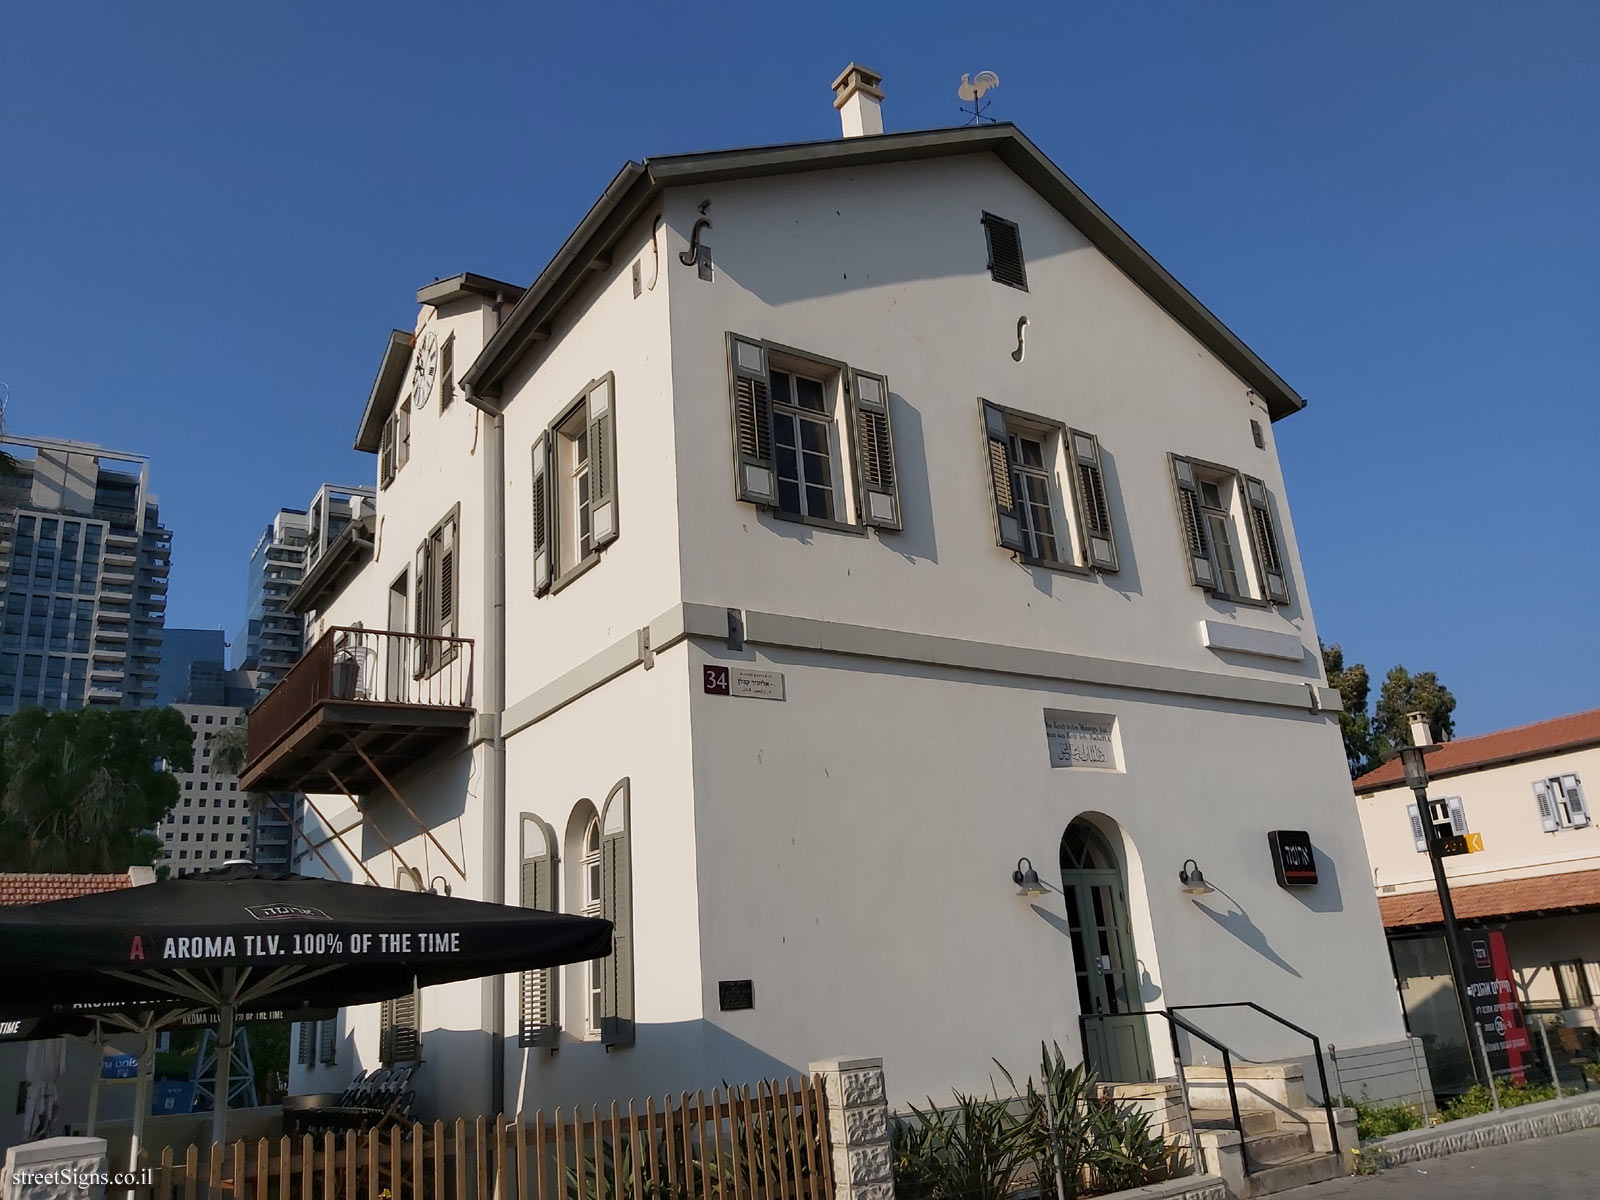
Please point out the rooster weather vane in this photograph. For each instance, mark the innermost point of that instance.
(971, 90)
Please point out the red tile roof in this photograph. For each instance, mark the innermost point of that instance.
(1511, 897)
(1489, 749)
(34, 889)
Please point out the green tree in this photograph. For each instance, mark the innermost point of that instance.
(81, 790)
(1403, 693)
(1355, 723)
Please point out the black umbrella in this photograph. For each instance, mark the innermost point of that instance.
(243, 938)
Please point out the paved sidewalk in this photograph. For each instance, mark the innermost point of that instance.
(1566, 1167)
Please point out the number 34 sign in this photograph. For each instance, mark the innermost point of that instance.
(743, 681)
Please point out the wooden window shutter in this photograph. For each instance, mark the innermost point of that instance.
(1576, 808)
(616, 906)
(1196, 544)
(751, 398)
(1418, 834)
(602, 463)
(1458, 815)
(402, 435)
(421, 615)
(303, 1046)
(1549, 818)
(541, 514)
(328, 1042)
(1005, 252)
(445, 579)
(538, 1024)
(386, 1033)
(447, 372)
(874, 437)
(1007, 520)
(1094, 511)
(1264, 541)
(386, 454)
(404, 1043)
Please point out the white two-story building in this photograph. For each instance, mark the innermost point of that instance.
(826, 529)
(1533, 874)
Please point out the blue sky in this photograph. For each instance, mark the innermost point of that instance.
(214, 212)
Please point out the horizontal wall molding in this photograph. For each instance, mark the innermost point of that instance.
(711, 622)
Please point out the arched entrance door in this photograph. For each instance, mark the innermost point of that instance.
(1117, 1044)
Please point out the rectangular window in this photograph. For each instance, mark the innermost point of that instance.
(1004, 241)
(447, 372)
(1229, 532)
(1040, 471)
(398, 1039)
(1572, 981)
(806, 443)
(812, 436)
(1561, 803)
(575, 487)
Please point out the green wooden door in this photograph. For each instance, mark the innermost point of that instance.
(1106, 966)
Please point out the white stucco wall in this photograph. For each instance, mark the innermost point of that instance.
(886, 268)
(857, 842)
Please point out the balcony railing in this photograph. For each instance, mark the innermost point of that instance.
(383, 668)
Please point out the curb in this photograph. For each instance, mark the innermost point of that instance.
(1188, 1187)
(1545, 1119)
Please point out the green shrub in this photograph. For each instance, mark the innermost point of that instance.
(1476, 1100)
(986, 1148)
(1380, 1120)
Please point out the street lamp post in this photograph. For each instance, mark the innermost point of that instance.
(1416, 769)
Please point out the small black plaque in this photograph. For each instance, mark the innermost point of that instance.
(734, 994)
(716, 681)
(1293, 859)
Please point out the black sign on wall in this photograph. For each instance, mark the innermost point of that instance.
(1293, 859)
(735, 994)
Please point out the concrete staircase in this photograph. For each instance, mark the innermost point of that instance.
(1286, 1141)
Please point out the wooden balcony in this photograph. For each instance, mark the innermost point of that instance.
(361, 707)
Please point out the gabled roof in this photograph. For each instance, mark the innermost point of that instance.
(1571, 732)
(385, 390)
(326, 574)
(638, 185)
(458, 287)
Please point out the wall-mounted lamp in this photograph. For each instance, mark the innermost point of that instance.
(1027, 879)
(1193, 879)
(437, 883)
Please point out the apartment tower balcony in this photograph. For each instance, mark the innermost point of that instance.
(357, 710)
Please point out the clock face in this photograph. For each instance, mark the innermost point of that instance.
(424, 369)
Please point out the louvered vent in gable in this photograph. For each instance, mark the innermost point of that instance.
(1005, 252)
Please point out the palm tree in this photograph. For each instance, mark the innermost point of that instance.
(230, 750)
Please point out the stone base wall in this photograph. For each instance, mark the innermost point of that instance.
(60, 1169)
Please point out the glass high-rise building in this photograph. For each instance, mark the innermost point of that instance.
(181, 649)
(273, 638)
(84, 561)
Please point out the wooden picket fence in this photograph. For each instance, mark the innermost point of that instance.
(767, 1142)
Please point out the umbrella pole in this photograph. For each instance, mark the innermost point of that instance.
(94, 1083)
(219, 1088)
(141, 1094)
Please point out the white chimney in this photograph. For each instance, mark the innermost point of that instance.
(1421, 729)
(858, 95)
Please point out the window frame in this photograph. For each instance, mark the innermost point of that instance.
(1578, 968)
(1066, 494)
(589, 906)
(832, 376)
(1249, 564)
(559, 498)
(427, 665)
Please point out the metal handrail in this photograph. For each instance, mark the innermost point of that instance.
(1316, 1045)
(1174, 1023)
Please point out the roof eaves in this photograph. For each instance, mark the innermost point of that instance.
(443, 291)
(324, 573)
(385, 390)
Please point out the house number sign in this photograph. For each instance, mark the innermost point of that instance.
(743, 681)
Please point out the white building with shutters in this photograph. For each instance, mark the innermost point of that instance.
(1536, 877)
(825, 529)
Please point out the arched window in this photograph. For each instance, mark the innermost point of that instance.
(594, 973)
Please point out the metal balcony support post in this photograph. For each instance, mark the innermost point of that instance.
(339, 837)
(376, 828)
(301, 834)
(411, 812)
